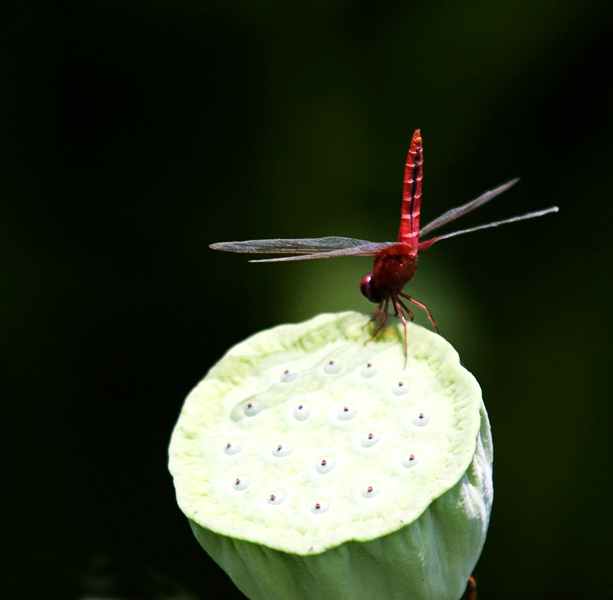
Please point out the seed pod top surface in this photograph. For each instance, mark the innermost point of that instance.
(304, 437)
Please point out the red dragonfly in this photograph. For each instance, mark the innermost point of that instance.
(395, 263)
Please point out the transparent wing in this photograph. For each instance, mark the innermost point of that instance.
(530, 215)
(454, 213)
(367, 249)
(290, 246)
(306, 248)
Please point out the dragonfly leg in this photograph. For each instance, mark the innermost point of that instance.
(398, 308)
(376, 313)
(423, 307)
(382, 305)
(406, 308)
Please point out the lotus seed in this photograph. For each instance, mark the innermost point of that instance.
(346, 413)
(421, 419)
(370, 491)
(370, 440)
(233, 447)
(241, 483)
(283, 450)
(369, 370)
(320, 507)
(252, 408)
(302, 412)
(325, 465)
(410, 461)
(287, 376)
(276, 498)
(400, 389)
(332, 367)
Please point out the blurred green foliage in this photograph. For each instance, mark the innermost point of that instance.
(136, 133)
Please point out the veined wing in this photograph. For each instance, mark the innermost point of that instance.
(306, 248)
(289, 246)
(530, 215)
(454, 213)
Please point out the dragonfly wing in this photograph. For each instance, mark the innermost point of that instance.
(366, 249)
(454, 213)
(530, 215)
(290, 246)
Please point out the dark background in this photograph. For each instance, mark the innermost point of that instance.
(136, 133)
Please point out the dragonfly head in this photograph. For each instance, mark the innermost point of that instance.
(367, 288)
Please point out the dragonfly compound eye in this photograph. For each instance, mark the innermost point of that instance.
(366, 287)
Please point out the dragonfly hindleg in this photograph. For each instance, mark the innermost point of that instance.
(423, 307)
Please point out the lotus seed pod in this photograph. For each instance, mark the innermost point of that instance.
(313, 465)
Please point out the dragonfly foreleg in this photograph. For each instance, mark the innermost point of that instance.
(375, 315)
(382, 307)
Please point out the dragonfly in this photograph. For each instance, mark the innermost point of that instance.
(395, 263)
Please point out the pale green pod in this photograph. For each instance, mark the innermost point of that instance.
(314, 465)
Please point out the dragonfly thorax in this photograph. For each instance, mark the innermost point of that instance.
(393, 268)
